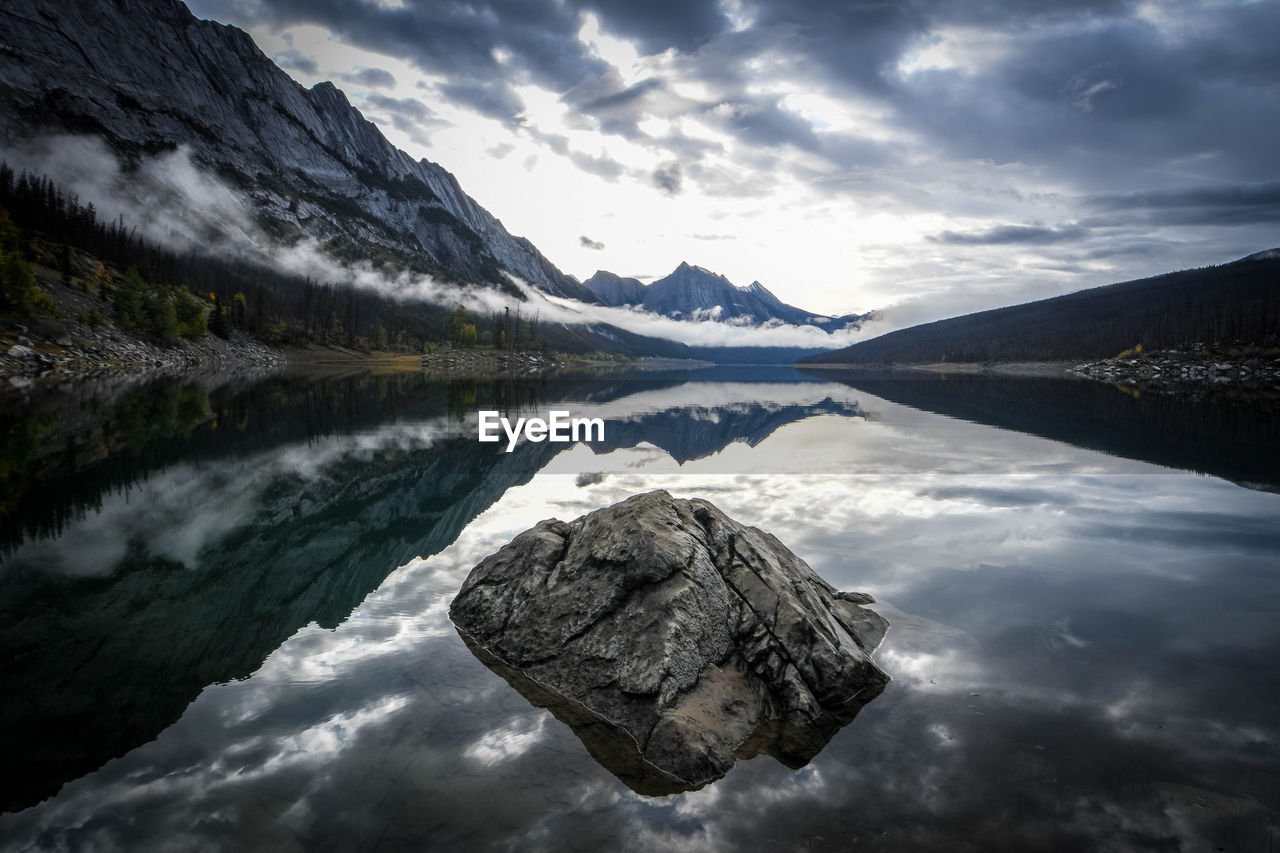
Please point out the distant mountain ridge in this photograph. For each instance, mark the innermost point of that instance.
(615, 290)
(148, 77)
(1233, 304)
(695, 293)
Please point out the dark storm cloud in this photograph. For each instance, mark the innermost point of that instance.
(495, 99)
(1220, 205)
(605, 103)
(375, 78)
(762, 122)
(409, 107)
(849, 43)
(1004, 235)
(668, 178)
(661, 24)
(600, 165)
(622, 98)
(1114, 96)
(587, 243)
(291, 58)
(461, 41)
(408, 115)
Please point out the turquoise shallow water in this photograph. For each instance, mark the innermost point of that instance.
(225, 619)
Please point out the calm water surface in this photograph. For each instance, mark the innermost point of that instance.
(223, 613)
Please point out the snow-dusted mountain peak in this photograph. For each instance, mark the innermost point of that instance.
(693, 292)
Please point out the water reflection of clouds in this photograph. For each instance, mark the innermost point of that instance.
(1068, 533)
(1076, 648)
(507, 741)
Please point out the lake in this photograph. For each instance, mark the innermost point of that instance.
(223, 611)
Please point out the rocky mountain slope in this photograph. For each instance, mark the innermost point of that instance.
(613, 289)
(148, 77)
(693, 292)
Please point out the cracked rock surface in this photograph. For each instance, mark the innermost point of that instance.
(673, 639)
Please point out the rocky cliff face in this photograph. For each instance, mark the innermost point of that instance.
(149, 77)
(673, 639)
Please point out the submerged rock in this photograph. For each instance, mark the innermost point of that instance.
(673, 639)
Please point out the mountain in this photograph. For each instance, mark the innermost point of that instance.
(692, 292)
(1231, 304)
(614, 290)
(149, 77)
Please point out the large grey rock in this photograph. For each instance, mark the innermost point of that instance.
(673, 639)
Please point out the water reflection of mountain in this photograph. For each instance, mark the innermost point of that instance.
(1228, 434)
(697, 432)
(186, 531)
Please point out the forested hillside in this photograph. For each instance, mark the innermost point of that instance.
(163, 294)
(1233, 304)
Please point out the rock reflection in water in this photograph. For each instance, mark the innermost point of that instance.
(617, 751)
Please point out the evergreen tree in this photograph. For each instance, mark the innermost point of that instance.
(127, 299)
(218, 324)
(456, 324)
(18, 292)
(189, 315)
(18, 289)
(64, 263)
(334, 333)
(161, 320)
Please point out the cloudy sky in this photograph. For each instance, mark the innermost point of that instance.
(938, 156)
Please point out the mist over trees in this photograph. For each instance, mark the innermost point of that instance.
(166, 294)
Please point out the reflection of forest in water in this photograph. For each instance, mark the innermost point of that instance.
(172, 535)
(1227, 432)
(60, 455)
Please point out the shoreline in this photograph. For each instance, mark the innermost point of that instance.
(1170, 370)
(956, 368)
(77, 353)
(1177, 369)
